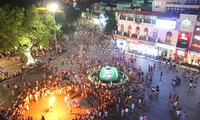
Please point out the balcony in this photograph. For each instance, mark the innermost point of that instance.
(182, 10)
(186, 3)
(182, 5)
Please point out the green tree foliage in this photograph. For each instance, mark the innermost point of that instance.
(111, 23)
(38, 26)
(11, 20)
(24, 27)
(19, 3)
(72, 15)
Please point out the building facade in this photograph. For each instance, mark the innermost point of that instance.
(176, 6)
(158, 34)
(142, 26)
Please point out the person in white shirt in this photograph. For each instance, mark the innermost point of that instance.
(126, 110)
(132, 107)
(106, 114)
(141, 117)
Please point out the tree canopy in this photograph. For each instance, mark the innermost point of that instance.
(111, 23)
(72, 15)
(24, 26)
(19, 3)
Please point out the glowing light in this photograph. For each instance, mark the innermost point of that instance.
(53, 7)
(52, 100)
(108, 73)
(30, 59)
(166, 24)
(187, 22)
(197, 37)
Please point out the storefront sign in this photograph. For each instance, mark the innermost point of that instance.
(186, 22)
(166, 46)
(183, 40)
(198, 29)
(197, 37)
(195, 46)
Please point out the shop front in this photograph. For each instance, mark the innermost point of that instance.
(121, 44)
(166, 51)
(137, 47)
(194, 58)
(180, 55)
(182, 46)
(194, 50)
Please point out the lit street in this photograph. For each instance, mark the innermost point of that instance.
(99, 59)
(156, 108)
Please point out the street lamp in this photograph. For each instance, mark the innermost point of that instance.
(53, 7)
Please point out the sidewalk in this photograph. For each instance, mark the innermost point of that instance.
(152, 59)
(14, 64)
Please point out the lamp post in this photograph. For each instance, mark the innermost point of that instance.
(53, 7)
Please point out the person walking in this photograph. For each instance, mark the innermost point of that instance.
(183, 116)
(161, 74)
(43, 118)
(132, 107)
(122, 112)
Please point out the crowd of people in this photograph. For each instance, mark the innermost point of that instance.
(121, 98)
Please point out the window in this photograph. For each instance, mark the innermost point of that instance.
(158, 4)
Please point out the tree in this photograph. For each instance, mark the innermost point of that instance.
(10, 27)
(19, 3)
(37, 30)
(22, 28)
(111, 23)
(72, 16)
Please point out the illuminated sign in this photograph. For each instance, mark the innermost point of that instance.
(186, 23)
(165, 46)
(198, 29)
(183, 40)
(196, 45)
(166, 24)
(197, 37)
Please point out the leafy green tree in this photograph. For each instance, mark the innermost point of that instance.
(11, 20)
(23, 28)
(38, 26)
(37, 30)
(72, 15)
(19, 3)
(111, 23)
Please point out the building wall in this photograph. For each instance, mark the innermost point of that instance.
(121, 6)
(187, 18)
(161, 5)
(151, 27)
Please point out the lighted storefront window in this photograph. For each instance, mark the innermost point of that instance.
(129, 29)
(122, 28)
(194, 58)
(146, 32)
(137, 31)
(155, 33)
(168, 37)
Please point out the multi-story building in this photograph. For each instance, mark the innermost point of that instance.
(162, 32)
(176, 6)
(154, 39)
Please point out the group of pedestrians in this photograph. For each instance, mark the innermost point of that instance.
(125, 99)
